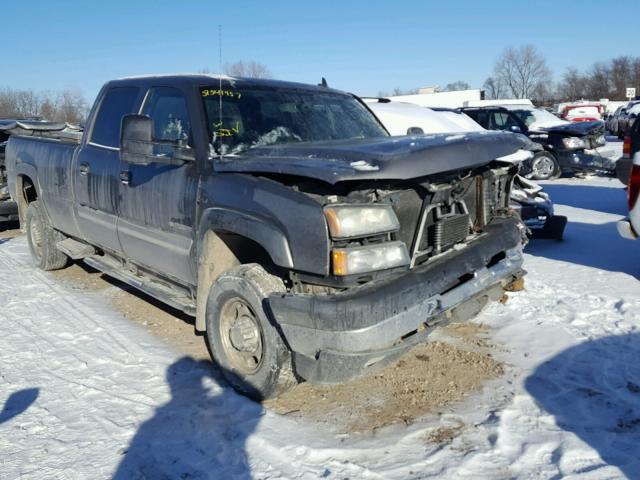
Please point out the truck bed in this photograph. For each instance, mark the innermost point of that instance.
(48, 162)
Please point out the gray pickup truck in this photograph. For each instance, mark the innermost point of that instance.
(307, 242)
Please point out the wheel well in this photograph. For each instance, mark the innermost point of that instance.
(27, 193)
(220, 251)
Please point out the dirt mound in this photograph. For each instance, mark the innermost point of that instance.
(430, 376)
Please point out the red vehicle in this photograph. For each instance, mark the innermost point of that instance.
(584, 112)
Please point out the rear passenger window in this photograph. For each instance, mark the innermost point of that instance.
(117, 103)
(167, 108)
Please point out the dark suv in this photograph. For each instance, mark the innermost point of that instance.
(564, 142)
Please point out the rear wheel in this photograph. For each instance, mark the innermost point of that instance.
(42, 240)
(544, 166)
(243, 340)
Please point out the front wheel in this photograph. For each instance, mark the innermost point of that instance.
(544, 167)
(42, 240)
(243, 340)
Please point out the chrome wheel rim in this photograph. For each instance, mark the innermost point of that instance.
(543, 167)
(241, 335)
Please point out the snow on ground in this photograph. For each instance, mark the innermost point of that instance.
(87, 394)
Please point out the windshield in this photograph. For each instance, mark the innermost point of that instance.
(239, 119)
(536, 115)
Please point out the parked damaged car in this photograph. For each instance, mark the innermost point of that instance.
(8, 208)
(307, 243)
(527, 198)
(569, 147)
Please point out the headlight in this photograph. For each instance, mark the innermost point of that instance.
(573, 143)
(351, 261)
(350, 221)
(4, 192)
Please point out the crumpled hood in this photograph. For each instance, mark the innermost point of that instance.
(382, 158)
(577, 129)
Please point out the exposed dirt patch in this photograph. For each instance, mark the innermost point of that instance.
(474, 334)
(159, 319)
(430, 376)
(445, 435)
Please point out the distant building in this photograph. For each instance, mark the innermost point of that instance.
(428, 90)
(430, 97)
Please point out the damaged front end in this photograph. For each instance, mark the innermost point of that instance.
(435, 249)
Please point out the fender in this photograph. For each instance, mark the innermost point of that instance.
(258, 229)
(27, 170)
(214, 257)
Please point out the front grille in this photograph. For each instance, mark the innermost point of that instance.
(448, 231)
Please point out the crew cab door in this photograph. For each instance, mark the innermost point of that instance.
(159, 199)
(97, 169)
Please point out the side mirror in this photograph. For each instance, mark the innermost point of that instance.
(415, 131)
(516, 129)
(136, 146)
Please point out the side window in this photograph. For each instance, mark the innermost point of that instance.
(168, 109)
(479, 117)
(499, 121)
(117, 103)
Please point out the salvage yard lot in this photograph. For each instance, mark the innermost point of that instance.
(99, 381)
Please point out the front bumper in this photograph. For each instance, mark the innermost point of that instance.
(579, 161)
(338, 337)
(8, 211)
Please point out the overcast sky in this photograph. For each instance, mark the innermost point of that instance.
(359, 46)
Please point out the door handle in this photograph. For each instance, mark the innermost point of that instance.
(84, 168)
(125, 177)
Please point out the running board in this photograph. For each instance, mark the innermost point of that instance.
(160, 291)
(75, 249)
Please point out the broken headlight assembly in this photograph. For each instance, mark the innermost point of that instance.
(347, 222)
(573, 143)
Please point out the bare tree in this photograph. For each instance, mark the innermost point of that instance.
(456, 86)
(523, 70)
(250, 69)
(72, 106)
(573, 86)
(599, 81)
(68, 105)
(398, 91)
(494, 89)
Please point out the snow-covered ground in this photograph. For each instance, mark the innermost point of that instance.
(86, 394)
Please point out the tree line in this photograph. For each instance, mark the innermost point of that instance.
(68, 105)
(522, 72)
(519, 72)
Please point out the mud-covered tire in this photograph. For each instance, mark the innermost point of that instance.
(42, 240)
(544, 166)
(238, 319)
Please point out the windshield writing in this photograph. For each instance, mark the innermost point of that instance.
(241, 119)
